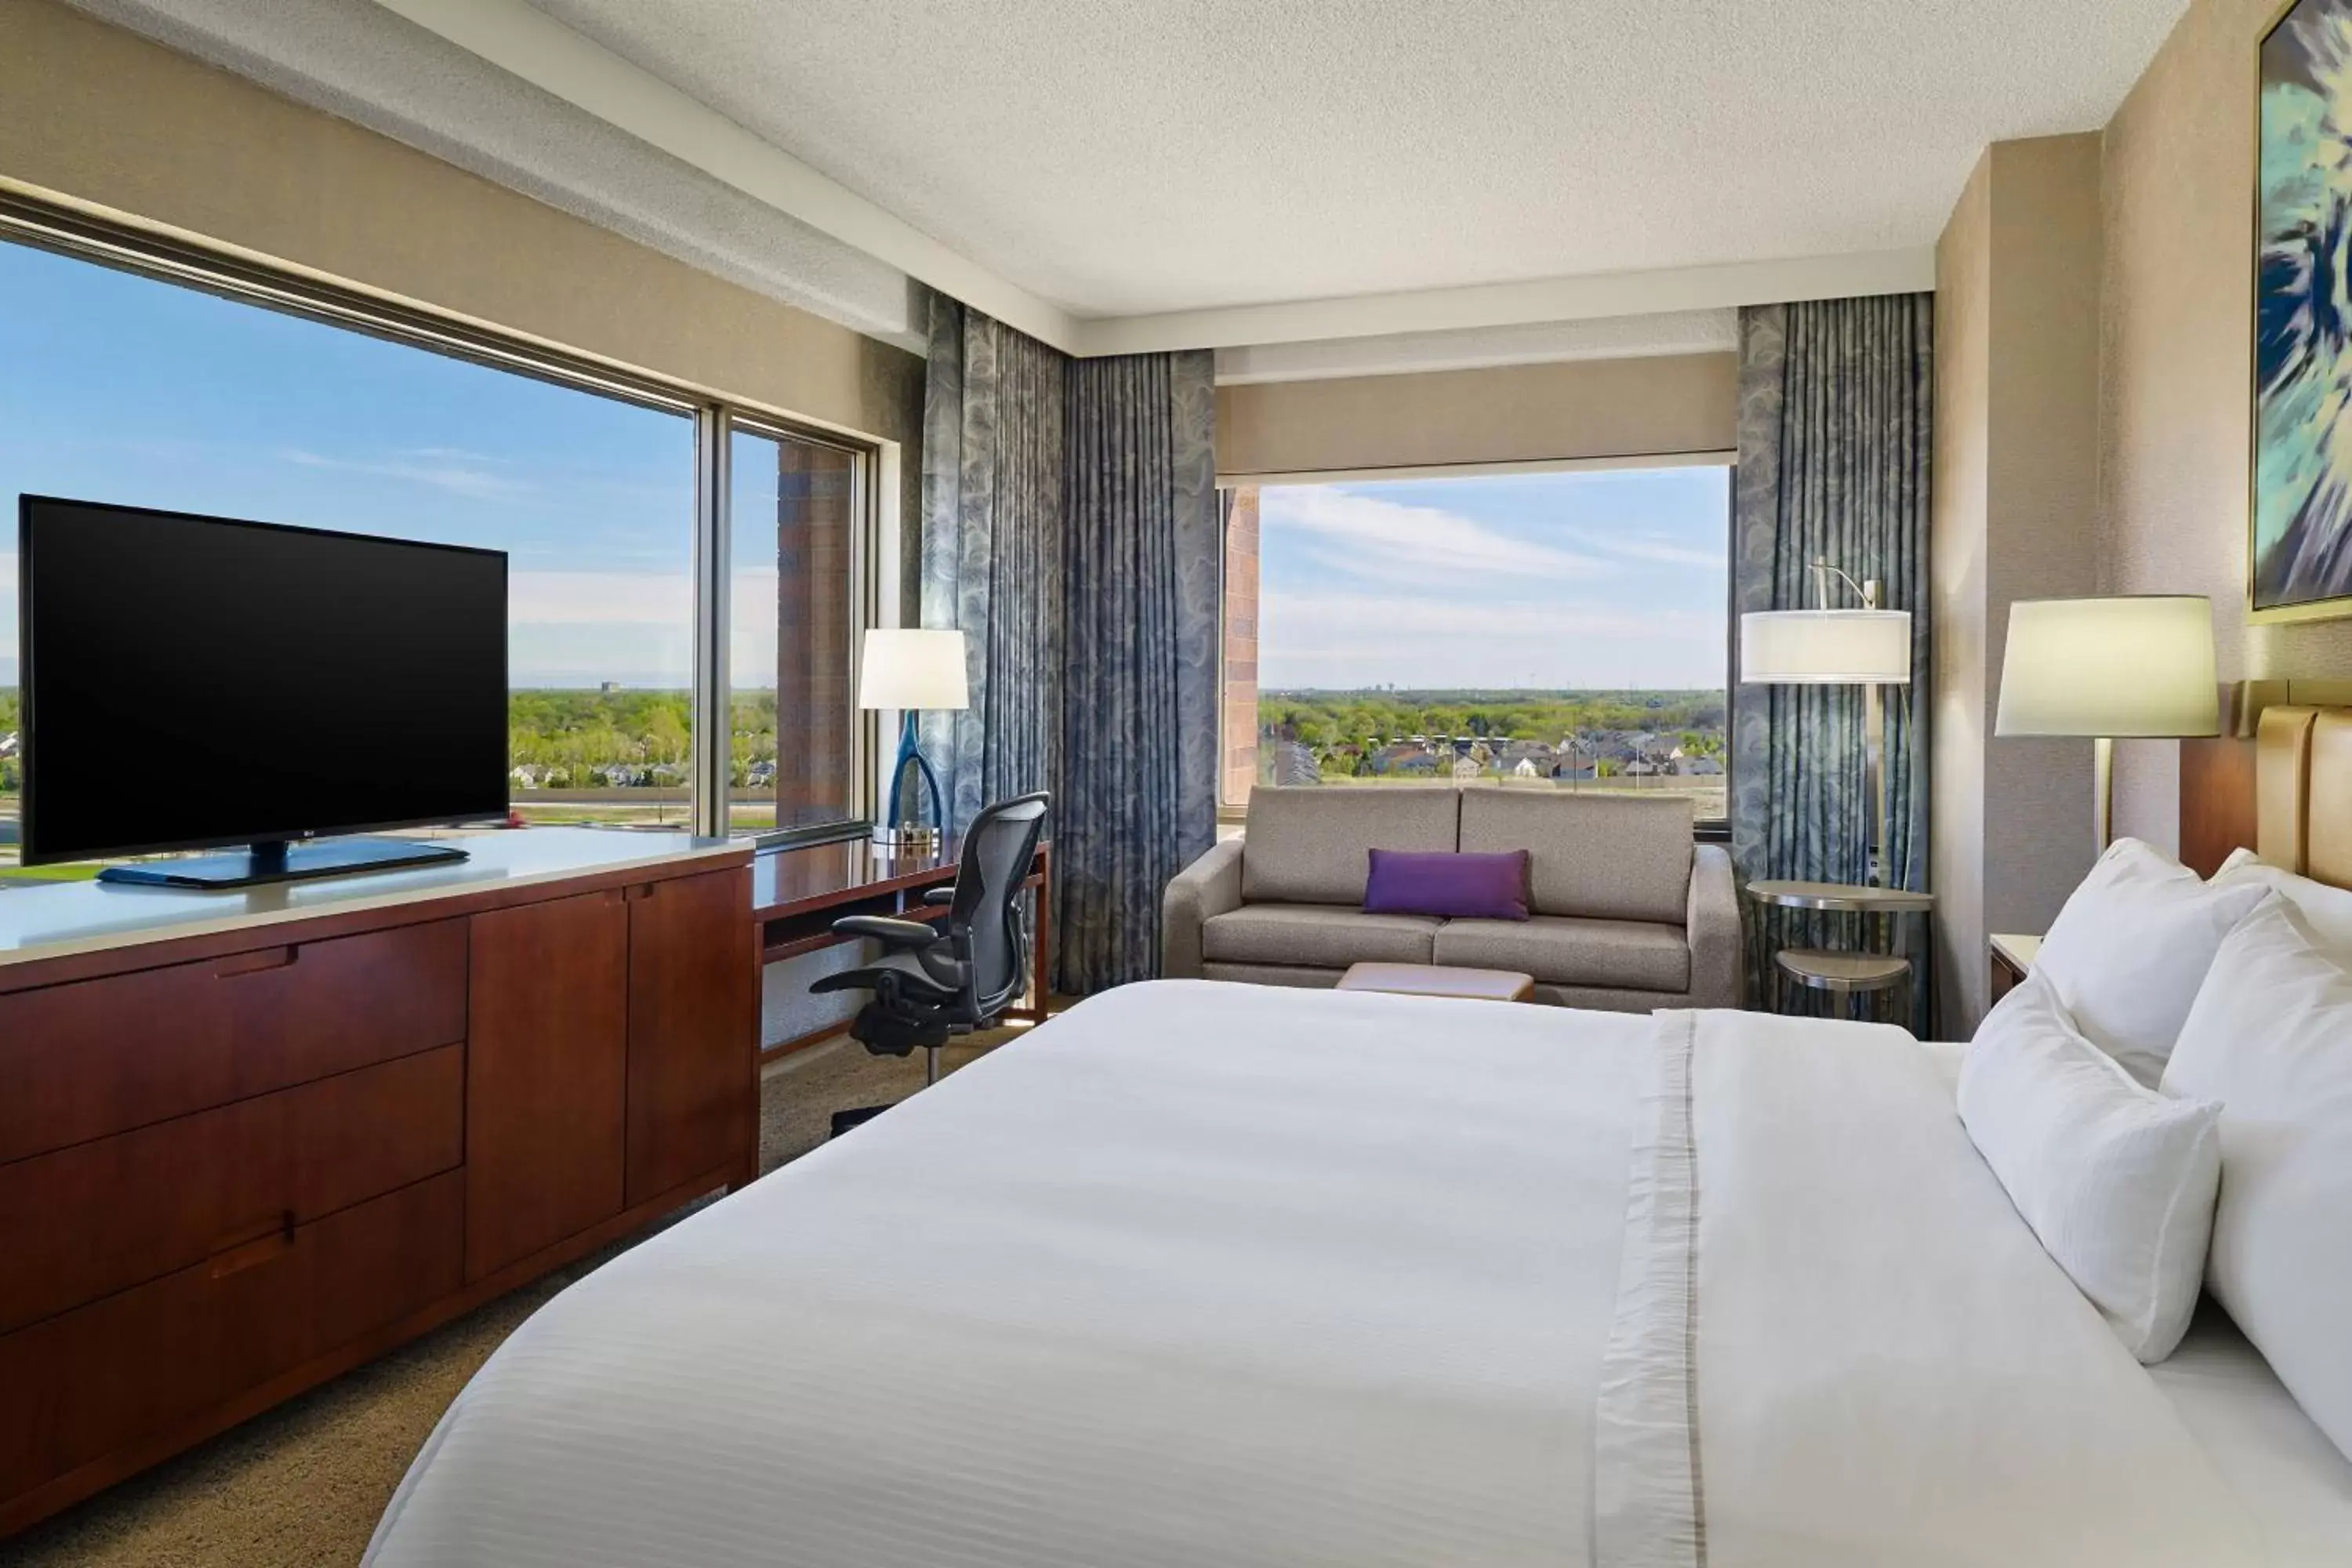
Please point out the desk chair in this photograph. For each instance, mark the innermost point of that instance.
(931, 981)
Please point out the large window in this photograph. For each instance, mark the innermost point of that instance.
(116, 385)
(795, 588)
(1540, 631)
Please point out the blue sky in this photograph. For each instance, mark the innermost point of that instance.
(116, 387)
(1611, 577)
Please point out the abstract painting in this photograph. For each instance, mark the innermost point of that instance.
(2301, 557)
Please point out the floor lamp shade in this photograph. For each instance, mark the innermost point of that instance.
(1826, 648)
(1868, 647)
(2123, 668)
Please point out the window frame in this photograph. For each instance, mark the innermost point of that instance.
(170, 259)
(1705, 830)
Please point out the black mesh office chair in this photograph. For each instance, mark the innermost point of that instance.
(937, 980)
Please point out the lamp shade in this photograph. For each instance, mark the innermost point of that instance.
(906, 669)
(1826, 648)
(2116, 667)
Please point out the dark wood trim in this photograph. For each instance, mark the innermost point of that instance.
(2217, 801)
(485, 1034)
(29, 1508)
(137, 953)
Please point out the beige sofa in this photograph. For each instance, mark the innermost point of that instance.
(1626, 912)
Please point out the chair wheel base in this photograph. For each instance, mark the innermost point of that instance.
(889, 1034)
(843, 1120)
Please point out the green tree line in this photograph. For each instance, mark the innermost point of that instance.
(1321, 720)
(569, 734)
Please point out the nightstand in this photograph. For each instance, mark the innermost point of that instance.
(2011, 957)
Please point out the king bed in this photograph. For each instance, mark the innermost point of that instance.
(1202, 1273)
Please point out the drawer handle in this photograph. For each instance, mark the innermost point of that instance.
(265, 1248)
(642, 891)
(260, 963)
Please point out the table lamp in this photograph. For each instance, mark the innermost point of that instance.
(912, 670)
(1868, 647)
(2121, 668)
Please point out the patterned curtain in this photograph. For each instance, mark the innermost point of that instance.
(1140, 698)
(1070, 529)
(993, 552)
(1836, 406)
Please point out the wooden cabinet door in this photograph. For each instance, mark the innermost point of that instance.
(693, 1031)
(546, 1075)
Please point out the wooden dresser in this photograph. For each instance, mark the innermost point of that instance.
(249, 1139)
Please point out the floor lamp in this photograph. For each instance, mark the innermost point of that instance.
(2138, 668)
(1864, 647)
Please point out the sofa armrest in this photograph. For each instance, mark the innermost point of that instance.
(1210, 886)
(1712, 926)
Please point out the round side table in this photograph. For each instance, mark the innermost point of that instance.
(1844, 978)
(1868, 967)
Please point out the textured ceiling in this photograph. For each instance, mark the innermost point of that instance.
(1137, 156)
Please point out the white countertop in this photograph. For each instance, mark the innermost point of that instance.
(59, 919)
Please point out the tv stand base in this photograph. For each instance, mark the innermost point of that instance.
(279, 861)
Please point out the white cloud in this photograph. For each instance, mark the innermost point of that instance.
(441, 468)
(1348, 640)
(1390, 541)
(574, 624)
(612, 598)
(1664, 552)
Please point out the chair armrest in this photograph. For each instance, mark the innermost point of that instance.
(940, 895)
(1712, 926)
(888, 932)
(1209, 887)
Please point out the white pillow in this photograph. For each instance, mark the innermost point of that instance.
(2327, 910)
(2270, 1037)
(2115, 1177)
(2132, 945)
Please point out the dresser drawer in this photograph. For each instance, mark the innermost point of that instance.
(76, 1387)
(99, 1057)
(89, 1220)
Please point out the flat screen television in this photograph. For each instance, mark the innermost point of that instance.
(192, 682)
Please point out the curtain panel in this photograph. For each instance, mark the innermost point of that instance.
(1835, 421)
(992, 548)
(1071, 530)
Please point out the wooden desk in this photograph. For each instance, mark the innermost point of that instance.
(798, 893)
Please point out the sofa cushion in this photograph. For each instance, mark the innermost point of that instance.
(1315, 934)
(1313, 844)
(1565, 949)
(1605, 857)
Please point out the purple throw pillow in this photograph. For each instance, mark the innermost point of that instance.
(1456, 886)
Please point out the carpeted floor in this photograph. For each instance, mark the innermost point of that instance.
(302, 1486)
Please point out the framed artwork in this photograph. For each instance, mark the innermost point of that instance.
(2299, 556)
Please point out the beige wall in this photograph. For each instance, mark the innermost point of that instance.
(1956, 592)
(2177, 315)
(1528, 413)
(2017, 429)
(97, 115)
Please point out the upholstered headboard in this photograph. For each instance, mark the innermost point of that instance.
(2302, 790)
(2277, 780)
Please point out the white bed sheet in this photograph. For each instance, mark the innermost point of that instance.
(1198, 1275)
(2293, 1482)
(1205, 1274)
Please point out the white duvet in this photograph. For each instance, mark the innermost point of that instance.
(1205, 1274)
